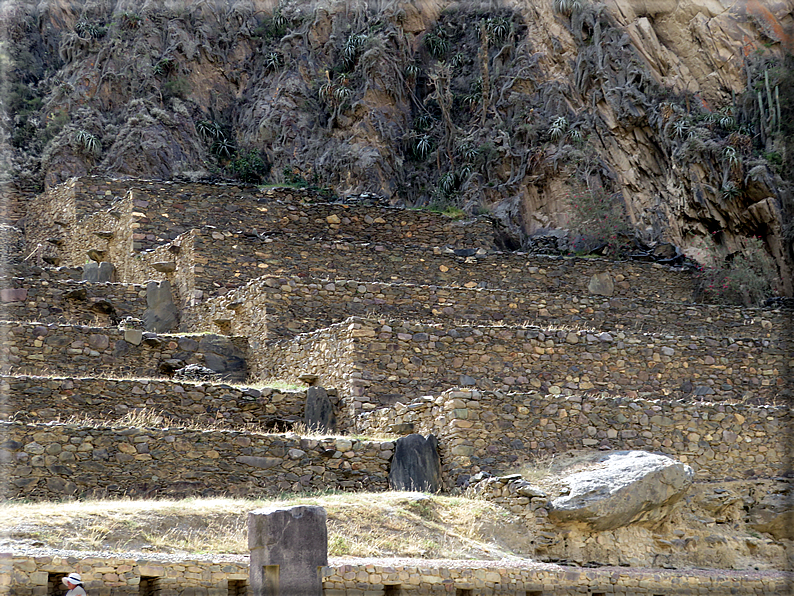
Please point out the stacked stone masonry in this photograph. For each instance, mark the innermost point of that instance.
(703, 388)
(30, 348)
(294, 305)
(51, 461)
(75, 303)
(122, 576)
(242, 258)
(496, 432)
(40, 399)
(378, 362)
(161, 211)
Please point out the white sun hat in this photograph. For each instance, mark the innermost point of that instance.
(73, 578)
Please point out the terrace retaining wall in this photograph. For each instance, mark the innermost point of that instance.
(41, 399)
(121, 576)
(497, 433)
(29, 348)
(380, 362)
(53, 461)
(274, 307)
(76, 303)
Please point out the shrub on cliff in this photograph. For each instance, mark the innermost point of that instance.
(599, 222)
(749, 278)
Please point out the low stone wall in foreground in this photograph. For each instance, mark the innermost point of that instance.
(120, 575)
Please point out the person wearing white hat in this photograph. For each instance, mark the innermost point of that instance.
(75, 585)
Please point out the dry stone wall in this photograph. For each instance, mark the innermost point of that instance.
(40, 399)
(30, 348)
(53, 461)
(308, 235)
(168, 210)
(122, 575)
(274, 307)
(491, 578)
(28, 575)
(32, 272)
(387, 361)
(77, 303)
(243, 257)
(11, 248)
(496, 432)
(148, 213)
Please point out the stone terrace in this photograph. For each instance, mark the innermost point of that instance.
(30, 348)
(72, 302)
(499, 431)
(394, 310)
(40, 399)
(157, 212)
(298, 305)
(52, 461)
(378, 362)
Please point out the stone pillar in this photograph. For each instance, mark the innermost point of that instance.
(288, 549)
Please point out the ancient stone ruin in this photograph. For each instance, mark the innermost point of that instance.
(128, 295)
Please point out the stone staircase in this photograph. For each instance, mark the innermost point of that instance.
(382, 306)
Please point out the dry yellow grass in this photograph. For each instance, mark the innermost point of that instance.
(397, 524)
(547, 473)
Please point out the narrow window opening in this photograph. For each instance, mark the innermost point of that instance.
(149, 586)
(271, 587)
(55, 586)
(534, 592)
(464, 592)
(237, 587)
(599, 594)
(392, 590)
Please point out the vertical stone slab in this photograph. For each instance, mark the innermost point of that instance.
(319, 413)
(416, 464)
(288, 549)
(161, 314)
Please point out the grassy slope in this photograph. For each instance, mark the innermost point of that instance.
(381, 524)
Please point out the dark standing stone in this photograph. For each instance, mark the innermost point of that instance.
(319, 411)
(161, 313)
(416, 464)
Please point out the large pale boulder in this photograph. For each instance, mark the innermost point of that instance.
(624, 487)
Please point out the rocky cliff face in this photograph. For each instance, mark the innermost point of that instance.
(675, 112)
